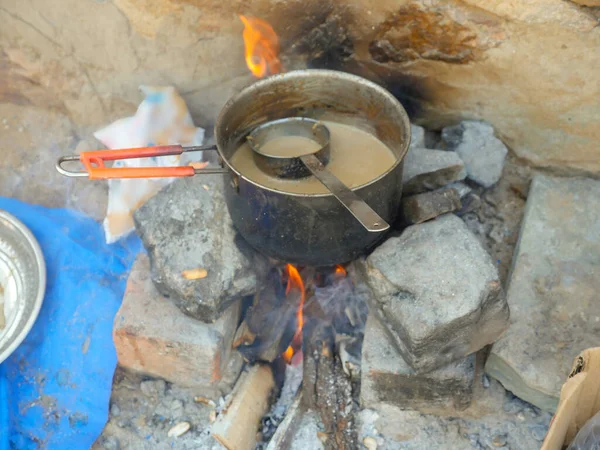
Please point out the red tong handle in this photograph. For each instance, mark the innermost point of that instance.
(93, 162)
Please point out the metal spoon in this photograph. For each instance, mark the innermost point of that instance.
(314, 163)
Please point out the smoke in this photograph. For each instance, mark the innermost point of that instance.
(343, 302)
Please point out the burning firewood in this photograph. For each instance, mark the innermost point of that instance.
(236, 428)
(268, 328)
(243, 336)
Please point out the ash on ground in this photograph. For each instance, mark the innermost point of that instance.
(291, 386)
(144, 413)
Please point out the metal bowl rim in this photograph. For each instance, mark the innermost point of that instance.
(285, 120)
(39, 298)
(305, 73)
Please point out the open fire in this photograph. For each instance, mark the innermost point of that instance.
(261, 47)
(295, 282)
(306, 322)
(261, 54)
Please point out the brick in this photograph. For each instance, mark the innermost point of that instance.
(152, 336)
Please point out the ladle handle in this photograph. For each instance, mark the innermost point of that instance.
(353, 203)
(95, 169)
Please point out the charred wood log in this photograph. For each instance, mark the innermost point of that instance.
(326, 388)
(270, 322)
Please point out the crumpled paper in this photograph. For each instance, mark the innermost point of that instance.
(161, 119)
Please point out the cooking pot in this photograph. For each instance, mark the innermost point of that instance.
(307, 229)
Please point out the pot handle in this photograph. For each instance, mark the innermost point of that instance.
(96, 170)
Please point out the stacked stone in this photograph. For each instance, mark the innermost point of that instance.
(436, 300)
(178, 324)
(432, 177)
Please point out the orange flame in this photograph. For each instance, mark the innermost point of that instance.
(262, 47)
(295, 282)
(340, 271)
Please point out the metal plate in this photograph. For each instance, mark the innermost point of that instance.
(22, 282)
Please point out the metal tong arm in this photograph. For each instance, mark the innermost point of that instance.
(367, 217)
(95, 169)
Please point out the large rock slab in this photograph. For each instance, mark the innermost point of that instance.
(155, 338)
(553, 290)
(186, 226)
(385, 377)
(527, 67)
(482, 152)
(437, 292)
(426, 169)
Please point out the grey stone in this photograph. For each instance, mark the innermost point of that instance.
(461, 188)
(470, 202)
(437, 291)
(417, 136)
(433, 139)
(553, 290)
(473, 223)
(422, 207)
(426, 169)
(387, 378)
(187, 226)
(483, 153)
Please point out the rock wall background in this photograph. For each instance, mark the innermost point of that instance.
(530, 68)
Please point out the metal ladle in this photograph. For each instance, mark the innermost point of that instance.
(299, 166)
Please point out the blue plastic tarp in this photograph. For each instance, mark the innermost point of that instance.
(55, 388)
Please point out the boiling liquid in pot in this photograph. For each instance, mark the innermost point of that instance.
(356, 157)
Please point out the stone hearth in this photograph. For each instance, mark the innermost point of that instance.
(508, 93)
(433, 290)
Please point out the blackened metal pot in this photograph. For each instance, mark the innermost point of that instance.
(312, 229)
(307, 229)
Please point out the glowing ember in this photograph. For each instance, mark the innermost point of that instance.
(295, 283)
(288, 354)
(262, 47)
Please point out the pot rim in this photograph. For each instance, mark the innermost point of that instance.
(305, 73)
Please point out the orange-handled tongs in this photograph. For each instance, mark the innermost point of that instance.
(93, 162)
